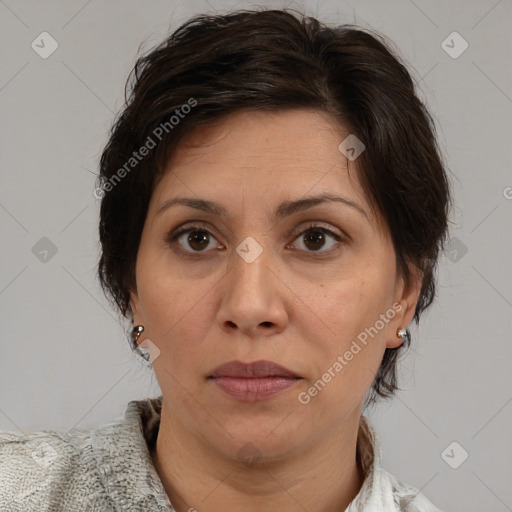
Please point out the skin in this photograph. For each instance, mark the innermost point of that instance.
(293, 305)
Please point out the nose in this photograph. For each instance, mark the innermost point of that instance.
(253, 297)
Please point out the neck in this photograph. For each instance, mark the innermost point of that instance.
(323, 478)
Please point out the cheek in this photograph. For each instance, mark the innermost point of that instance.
(352, 337)
(353, 306)
(175, 309)
(344, 368)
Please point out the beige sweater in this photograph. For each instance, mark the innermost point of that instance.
(110, 469)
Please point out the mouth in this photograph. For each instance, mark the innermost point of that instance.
(254, 370)
(253, 382)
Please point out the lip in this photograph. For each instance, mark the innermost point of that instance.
(253, 382)
(255, 370)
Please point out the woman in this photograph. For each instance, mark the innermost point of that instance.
(273, 207)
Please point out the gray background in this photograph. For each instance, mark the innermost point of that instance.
(64, 358)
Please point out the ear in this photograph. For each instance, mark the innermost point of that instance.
(406, 298)
(135, 307)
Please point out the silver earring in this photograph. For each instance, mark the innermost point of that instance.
(134, 337)
(401, 333)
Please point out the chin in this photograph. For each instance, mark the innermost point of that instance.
(272, 438)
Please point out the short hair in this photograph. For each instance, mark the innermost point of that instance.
(274, 60)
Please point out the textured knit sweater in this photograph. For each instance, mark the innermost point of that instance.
(110, 469)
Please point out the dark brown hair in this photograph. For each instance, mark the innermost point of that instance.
(212, 66)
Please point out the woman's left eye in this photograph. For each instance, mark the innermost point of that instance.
(314, 239)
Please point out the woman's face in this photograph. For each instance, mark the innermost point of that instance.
(272, 272)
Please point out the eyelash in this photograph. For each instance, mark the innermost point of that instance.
(171, 238)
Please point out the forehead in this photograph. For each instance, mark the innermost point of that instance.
(266, 154)
(255, 137)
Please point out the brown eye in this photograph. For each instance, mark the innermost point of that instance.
(314, 240)
(193, 240)
(198, 239)
(317, 239)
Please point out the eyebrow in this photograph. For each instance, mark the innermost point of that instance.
(285, 209)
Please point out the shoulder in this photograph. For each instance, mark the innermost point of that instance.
(107, 468)
(381, 490)
(406, 498)
(48, 470)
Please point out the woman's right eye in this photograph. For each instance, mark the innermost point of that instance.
(196, 238)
